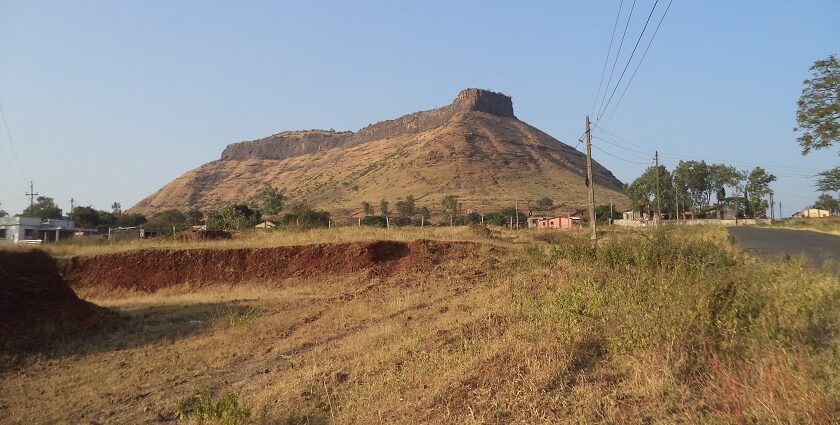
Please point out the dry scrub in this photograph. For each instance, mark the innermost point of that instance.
(671, 327)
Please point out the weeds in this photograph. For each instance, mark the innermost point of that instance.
(203, 408)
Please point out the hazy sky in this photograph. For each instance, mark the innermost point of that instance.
(107, 101)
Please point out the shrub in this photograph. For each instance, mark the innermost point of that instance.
(203, 407)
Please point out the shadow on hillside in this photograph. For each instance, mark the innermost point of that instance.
(124, 328)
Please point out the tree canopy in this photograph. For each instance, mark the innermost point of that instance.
(43, 208)
(269, 200)
(818, 113)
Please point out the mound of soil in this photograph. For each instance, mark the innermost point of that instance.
(151, 270)
(35, 300)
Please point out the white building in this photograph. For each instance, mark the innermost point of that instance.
(18, 229)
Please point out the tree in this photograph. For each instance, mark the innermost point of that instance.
(194, 217)
(269, 200)
(829, 181)
(545, 203)
(642, 191)
(828, 202)
(130, 219)
(116, 208)
(230, 216)
(818, 113)
(405, 208)
(383, 207)
(450, 207)
(757, 188)
(367, 208)
(3, 213)
(301, 214)
(166, 219)
(424, 212)
(86, 217)
(43, 208)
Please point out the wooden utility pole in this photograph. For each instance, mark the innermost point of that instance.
(589, 181)
(31, 194)
(658, 198)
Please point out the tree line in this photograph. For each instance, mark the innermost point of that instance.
(701, 188)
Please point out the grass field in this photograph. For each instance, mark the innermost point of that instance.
(675, 326)
(825, 224)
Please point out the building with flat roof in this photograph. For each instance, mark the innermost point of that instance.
(33, 229)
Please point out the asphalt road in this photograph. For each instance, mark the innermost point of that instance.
(775, 243)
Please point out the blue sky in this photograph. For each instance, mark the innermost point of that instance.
(108, 101)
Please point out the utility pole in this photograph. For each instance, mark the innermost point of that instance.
(589, 181)
(772, 207)
(72, 206)
(780, 211)
(677, 201)
(611, 212)
(31, 194)
(516, 211)
(658, 198)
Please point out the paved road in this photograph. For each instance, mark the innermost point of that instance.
(774, 243)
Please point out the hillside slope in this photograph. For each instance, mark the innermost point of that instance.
(474, 148)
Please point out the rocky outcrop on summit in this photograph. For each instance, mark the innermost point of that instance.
(293, 143)
(474, 148)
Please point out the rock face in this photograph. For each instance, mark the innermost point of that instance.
(293, 143)
(474, 148)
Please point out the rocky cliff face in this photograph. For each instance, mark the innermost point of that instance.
(294, 143)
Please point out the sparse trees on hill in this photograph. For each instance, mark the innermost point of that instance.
(451, 207)
(405, 208)
(383, 207)
(367, 208)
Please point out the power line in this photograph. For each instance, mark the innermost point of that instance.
(638, 65)
(617, 53)
(620, 158)
(11, 143)
(645, 154)
(607, 59)
(629, 59)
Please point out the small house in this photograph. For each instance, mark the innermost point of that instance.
(555, 223)
(812, 213)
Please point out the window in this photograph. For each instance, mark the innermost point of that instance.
(29, 234)
(2, 233)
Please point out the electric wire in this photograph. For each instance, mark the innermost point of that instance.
(618, 51)
(638, 65)
(21, 175)
(629, 60)
(607, 59)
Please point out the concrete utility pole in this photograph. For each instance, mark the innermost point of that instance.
(31, 194)
(516, 212)
(589, 181)
(772, 207)
(658, 198)
(780, 211)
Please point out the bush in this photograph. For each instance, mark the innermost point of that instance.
(373, 221)
(203, 407)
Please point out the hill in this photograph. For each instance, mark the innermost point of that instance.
(475, 148)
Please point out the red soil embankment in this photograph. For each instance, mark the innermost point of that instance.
(34, 297)
(154, 269)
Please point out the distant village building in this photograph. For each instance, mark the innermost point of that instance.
(131, 233)
(533, 222)
(812, 213)
(265, 224)
(34, 230)
(556, 223)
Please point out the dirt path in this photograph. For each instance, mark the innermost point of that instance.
(818, 248)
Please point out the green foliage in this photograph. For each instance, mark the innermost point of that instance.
(91, 217)
(503, 217)
(757, 188)
(643, 190)
(194, 217)
(166, 219)
(269, 200)
(302, 215)
(818, 113)
(406, 208)
(545, 203)
(828, 202)
(425, 213)
(373, 221)
(383, 207)
(3, 213)
(229, 217)
(451, 207)
(602, 213)
(202, 408)
(43, 208)
(829, 180)
(116, 208)
(367, 208)
(86, 217)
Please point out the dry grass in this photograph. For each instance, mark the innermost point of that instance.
(645, 327)
(824, 225)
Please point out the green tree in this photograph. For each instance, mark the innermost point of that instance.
(828, 202)
(424, 212)
(116, 208)
(3, 213)
(383, 207)
(269, 200)
(194, 217)
(230, 217)
(818, 113)
(829, 180)
(545, 203)
(130, 219)
(43, 208)
(405, 208)
(166, 219)
(757, 188)
(86, 217)
(642, 191)
(301, 214)
(367, 208)
(451, 207)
